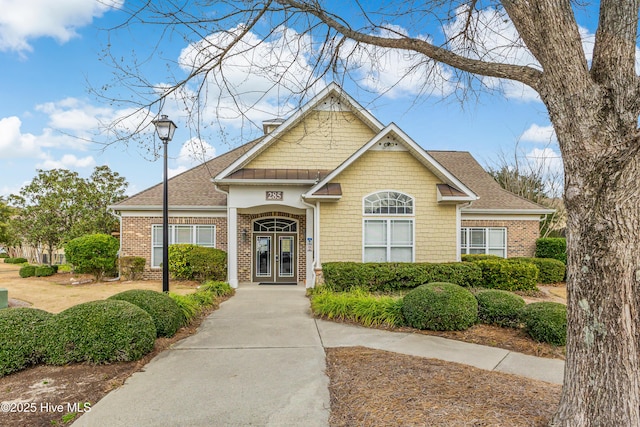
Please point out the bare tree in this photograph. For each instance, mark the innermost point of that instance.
(593, 105)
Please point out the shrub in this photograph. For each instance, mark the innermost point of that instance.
(167, 316)
(358, 306)
(188, 305)
(546, 322)
(20, 333)
(27, 271)
(15, 260)
(192, 262)
(93, 254)
(218, 289)
(44, 271)
(549, 270)
(501, 308)
(552, 247)
(478, 257)
(508, 276)
(98, 332)
(132, 267)
(440, 307)
(206, 296)
(4, 255)
(385, 277)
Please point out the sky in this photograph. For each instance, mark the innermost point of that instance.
(54, 68)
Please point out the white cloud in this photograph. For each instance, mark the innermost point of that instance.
(195, 151)
(24, 20)
(171, 172)
(14, 143)
(68, 161)
(537, 133)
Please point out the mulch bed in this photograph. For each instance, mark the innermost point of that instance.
(378, 388)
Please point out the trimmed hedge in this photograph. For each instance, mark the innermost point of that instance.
(192, 262)
(20, 334)
(500, 308)
(478, 257)
(15, 260)
(552, 247)
(45, 271)
(440, 307)
(132, 267)
(385, 277)
(4, 255)
(546, 322)
(98, 332)
(507, 275)
(27, 271)
(167, 316)
(94, 254)
(549, 270)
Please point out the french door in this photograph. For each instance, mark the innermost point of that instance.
(274, 258)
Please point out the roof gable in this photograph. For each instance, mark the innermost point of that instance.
(391, 137)
(333, 100)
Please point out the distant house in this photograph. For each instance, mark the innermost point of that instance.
(330, 183)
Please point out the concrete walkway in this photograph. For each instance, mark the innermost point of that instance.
(259, 361)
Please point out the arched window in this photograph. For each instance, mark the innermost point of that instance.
(275, 225)
(388, 203)
(388, 239)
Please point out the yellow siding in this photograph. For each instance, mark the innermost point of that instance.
(322, 141)
(341, 223)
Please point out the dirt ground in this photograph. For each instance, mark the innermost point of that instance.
(367, 387)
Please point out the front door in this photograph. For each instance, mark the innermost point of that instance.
(274, 258)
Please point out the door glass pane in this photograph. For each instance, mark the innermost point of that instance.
(183, 234)
(375, 254)
(263, 256)
(286, 256)
(375, 232)
(401, 254)
(401, 233)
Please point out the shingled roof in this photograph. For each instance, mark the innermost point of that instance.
(492, 196)
(190, 188)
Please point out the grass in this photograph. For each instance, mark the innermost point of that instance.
(358, 306)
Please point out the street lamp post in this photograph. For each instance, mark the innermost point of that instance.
(165, 129)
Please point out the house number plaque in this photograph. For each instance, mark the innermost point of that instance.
(274, 195)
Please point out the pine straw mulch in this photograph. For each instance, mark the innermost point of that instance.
(378, 388)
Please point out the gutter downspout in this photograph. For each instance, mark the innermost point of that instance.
(217, 188)
(113, 212)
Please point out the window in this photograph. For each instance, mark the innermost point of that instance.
(202, 235)
(484, 240)
(388, 203)
(388, 239)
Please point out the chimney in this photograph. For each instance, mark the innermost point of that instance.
(269, 126)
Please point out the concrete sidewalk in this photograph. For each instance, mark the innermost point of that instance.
(259, 360)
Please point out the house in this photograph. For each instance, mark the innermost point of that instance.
(330, 183)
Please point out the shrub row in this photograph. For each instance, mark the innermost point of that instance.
(121, 328)
(552, 247)
(509, 276)
(15, 260)
(38, 270)
(549, 270)
(193, 304)
(191, 262)
(375, 277)
(445, 306)
(4, 255)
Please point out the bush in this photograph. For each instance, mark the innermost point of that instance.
(440, 307)
(45, 271)
(501, 308)
(15, 260)
(20, 332)
(167, 316)
(189, 306)
(508, 276)
(546, 322)
(218, 289)
(132, 267)
(27, 271)
(93, 254)
(358, 306)
(385, 277)
(549, 270)
(4, 255)
(552, 247)
(98, 332)
(192, 262)
(206, 296)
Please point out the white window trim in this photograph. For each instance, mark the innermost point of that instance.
(413, 201)
(388, 245)
(172, 235)
(465, 250)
